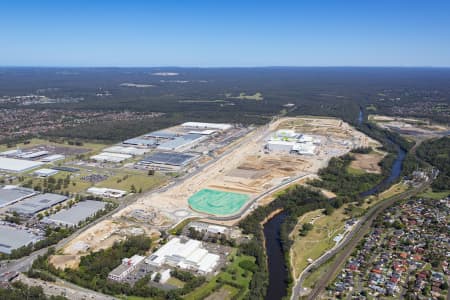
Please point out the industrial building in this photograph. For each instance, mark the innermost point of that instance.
(18, 165)
(105, 192)
(167, 158)
(282, 146)
(74, 215)
(127, 266)
(12, 153)
(111, 157)
(126, 150)
(203, 132)
(304, 148)
(45, 172)
(140, 142)
(34, 204)
(200, 125)
(185, 254)
(161, 135)
(13, 237)
(12, 194)
(52, 158)
(285, 140)
(32, 154)
(208, 228)
(182, 143)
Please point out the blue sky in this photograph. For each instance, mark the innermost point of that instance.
(224, 33)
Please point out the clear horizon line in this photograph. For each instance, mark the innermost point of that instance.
(224, 67)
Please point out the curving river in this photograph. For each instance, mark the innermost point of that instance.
(278, 271)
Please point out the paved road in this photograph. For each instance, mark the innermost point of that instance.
(349, 242)
(25, 263)
(64, 288)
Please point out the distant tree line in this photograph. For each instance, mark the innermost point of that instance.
(437, 153)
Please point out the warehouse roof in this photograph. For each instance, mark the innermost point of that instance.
(181, 141)
(219, 126)
(126, 150)
(53, 157)
(13, 194)
(13, 237)
(167, 158)
(161, 134)
(111, 157)
(77, 213)
(140, 142)
(35, 204)
(17, 165)
(45, 172)
(33, 154)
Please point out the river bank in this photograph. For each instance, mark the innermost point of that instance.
(277, 264)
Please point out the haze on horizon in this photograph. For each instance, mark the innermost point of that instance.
(224, 33)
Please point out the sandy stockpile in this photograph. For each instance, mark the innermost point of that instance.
(260, 172)
(327, 193)
(101, 236)
(367, 162)
(98, 237)
(325, 127)
(249, 160)
(176, 197)
(65, 261)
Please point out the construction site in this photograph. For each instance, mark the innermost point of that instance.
(225, 189)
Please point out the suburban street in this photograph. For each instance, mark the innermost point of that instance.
(347, 244)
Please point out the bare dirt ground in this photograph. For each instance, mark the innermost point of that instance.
(409, 126)
(246, 169)
(367, 162)
(101, 236)
(328, 194)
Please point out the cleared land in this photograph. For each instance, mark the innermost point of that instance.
(410, 126)
(243, 168)
(367, 162)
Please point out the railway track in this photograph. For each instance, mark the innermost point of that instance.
(346, 249)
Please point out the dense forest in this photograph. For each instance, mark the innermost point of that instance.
(336, 178)
(225, 95)
(437, 153)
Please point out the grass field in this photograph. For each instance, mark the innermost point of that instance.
(355, 171)
(175, 282)
(216, 202)
(233, 273)
(319, 239)
(124, 180)
(393, 190)
(434, 195)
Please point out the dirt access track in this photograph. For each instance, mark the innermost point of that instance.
(245, 169)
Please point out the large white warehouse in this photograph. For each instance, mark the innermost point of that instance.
(18, 165)
(185, 254)
(200, 125)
